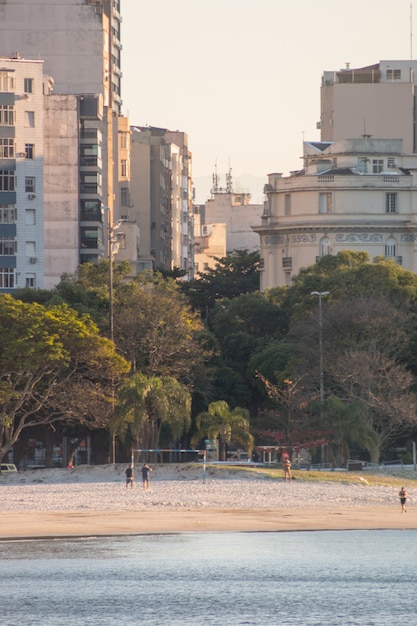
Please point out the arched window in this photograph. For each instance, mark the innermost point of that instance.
(325, 247)
(390, 247)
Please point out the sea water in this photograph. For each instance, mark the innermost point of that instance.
(326, 578)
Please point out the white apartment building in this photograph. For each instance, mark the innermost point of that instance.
(356, 194)
(21, 174)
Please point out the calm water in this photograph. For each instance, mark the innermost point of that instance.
(365, 578)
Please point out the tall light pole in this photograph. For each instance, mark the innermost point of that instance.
(112, 248)
(320, 295)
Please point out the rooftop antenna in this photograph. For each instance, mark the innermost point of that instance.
(365, 135)
(229, 184)
(215, 179)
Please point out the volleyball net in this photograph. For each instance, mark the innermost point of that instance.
(169, 455)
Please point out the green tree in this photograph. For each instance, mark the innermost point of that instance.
(232, 276)
(146, 404)
(54, 367)
(156, 329)
(219, 422)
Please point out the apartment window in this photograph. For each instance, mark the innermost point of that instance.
(391, 162)
(8, 214)
(29, 119)
(6, 148)
(91, 210)
(391, 202)
(30, 217)
(287, 204)
(393, 74)
(7, 180)
(326, 202)
(28, 85)
(7, 82)
(377, 166)
(30, 280)
(7, 246)
(7, 278)
(123, 141)
(29, 150)
(125, 196)
(30, 249)
(6, 115)
(30, 186)
(123, 168)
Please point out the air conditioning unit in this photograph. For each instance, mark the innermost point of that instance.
(32, 196)
(33, 260)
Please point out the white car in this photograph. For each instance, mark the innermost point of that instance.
(8, 468)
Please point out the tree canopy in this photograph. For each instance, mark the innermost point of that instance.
(54, 367)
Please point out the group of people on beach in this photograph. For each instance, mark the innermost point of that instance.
(146, 479)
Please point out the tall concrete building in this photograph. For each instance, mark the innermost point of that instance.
(161, 196)
(80, 44)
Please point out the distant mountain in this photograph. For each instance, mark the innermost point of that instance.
(252, 184)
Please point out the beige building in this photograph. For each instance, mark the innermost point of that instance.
(161, 197)
(376, 101)
(209, 242)
(356, 194)
(236, 212)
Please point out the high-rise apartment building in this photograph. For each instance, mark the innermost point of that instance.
(161, 193)
(79, 42)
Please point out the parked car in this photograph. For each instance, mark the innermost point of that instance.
(8, 468)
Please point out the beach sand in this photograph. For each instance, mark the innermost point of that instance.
(89, 501)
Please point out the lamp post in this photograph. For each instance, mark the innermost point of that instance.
(112, 248)
(320, 295)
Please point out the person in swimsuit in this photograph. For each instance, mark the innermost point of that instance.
(403, 499)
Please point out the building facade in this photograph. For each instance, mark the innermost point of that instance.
(356, 194)
(377, 101)
(161, 195)
(80, 44)
(21, 174)
(235, 210)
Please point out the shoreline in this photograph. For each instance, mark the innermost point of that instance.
(73, 524)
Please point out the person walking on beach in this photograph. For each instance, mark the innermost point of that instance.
(129, 476)
(403, 499)
(146, 470)
(286, 466)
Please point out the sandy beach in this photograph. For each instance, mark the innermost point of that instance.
(93, 500)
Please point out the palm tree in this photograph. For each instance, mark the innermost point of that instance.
(219, 422)
(146, 403)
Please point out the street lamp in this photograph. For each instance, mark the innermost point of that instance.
(113, 242)
(320, 295)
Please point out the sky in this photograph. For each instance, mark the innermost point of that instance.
(242, 77)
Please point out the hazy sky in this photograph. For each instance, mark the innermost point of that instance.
(242, 77)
